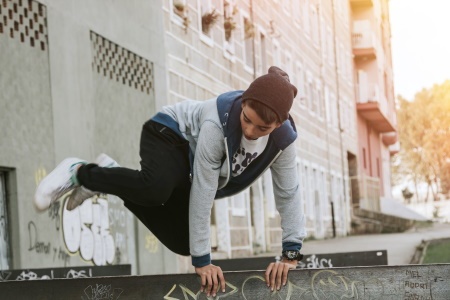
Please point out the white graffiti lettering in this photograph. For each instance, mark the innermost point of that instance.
(86, 229)
(102, 291)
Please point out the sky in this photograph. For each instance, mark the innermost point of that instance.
(420, 44)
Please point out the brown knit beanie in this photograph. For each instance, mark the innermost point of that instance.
(273, 90)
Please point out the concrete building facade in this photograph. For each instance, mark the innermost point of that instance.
(81, 77)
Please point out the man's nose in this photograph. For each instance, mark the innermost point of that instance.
(250, 131)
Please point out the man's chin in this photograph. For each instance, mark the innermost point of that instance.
(249, 138)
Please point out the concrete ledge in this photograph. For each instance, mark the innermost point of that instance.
(386, 282)
(310, 261)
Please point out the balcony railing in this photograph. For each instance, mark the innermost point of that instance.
(365, 43)
(361, 3)
(372, 105)
(363, 40)
(395, 148)
(366, 192)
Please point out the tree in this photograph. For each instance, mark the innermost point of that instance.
(424, 135)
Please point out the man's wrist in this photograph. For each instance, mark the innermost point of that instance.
(292, 255)
(291, 262)
(201, 261)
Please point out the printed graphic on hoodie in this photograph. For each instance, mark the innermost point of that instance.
(247, 152)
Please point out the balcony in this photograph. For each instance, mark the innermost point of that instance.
(361, 3)
(372, 107)
(366, 192)
(389, 138)
(364, 41)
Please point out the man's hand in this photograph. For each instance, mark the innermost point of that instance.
(210, 277)
(277, 272)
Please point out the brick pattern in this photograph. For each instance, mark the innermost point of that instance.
(121, 65)
(25, 20)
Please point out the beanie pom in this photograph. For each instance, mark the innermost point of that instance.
(273, 90)
(278, 71)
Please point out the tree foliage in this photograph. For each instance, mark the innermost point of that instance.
(424, 135)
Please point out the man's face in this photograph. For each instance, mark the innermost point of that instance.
(253, 127)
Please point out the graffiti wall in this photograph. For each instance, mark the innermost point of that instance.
(94, 232)
(86, 231)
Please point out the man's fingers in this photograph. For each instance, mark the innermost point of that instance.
(215, 283)
(222, 279)
(268, 271)
(203, 282)
(212, 279)
(273, 276)
(279, 275)
(285, 273)
(210, 284)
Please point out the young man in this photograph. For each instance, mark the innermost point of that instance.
(192, 153)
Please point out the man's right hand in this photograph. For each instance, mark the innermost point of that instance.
(211, 276)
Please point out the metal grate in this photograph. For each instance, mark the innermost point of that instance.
(25, 20)
(121, 65)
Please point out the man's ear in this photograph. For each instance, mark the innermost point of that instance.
(278, 125)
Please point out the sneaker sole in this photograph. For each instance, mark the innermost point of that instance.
(49, 189)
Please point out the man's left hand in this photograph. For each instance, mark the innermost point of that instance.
(277, 273)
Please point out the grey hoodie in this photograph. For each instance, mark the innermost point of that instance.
(200, 124)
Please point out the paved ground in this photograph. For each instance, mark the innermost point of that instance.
(400, 246)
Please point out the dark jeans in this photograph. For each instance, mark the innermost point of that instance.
(158, 194)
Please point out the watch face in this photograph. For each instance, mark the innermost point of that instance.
(291, 254)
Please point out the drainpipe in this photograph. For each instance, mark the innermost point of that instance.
(341, 130)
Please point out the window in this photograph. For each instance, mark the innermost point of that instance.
(335, 191)
(249, 32)
(300, 82)
(179, 11)
(276, 53)
(287, 6)
(268, 193)
(306, 21)
(349, 64)
(318, 96)
(208, 16)
(323, 39)
(307, 191)
(378, 167)
(288, 64)
(297, 12)
(315, 98)
(4, 235)
(229, 26)
(364, 158)
(263, 54)
(315, 25)
(326, 97)
(309, 92)
(330, 46)
(334, 111)
(341, 63)
(239, 203)
(345, 14)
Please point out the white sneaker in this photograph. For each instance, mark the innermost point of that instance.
(81, 193)
(60, 181)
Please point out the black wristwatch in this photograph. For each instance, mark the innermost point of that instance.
(292, 255)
